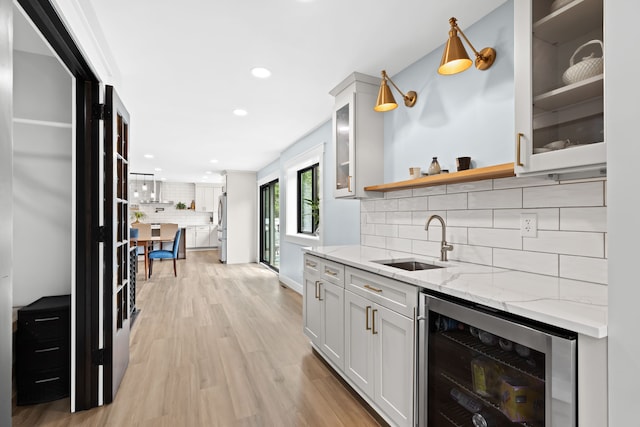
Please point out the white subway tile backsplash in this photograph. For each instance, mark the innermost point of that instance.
(566, 195)
(532, 262)
(448, 201)
(400, 194)
(483, 224)
(495, 238)
(386, 205)
(584, 219)
(582, 268)
(398, 217)
(496, 199)
(373, 241)
(465, 218)
(466, 187)
(367, 206)
(375, 217)
(415, 232)
(517, 182)
(396, 244)
(548, 219)
(424, 247)
(386, 230)
(413, 204)
(567, 242)
(429, 191)
(473, 254)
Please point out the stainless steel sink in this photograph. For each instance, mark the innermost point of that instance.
(410, 265)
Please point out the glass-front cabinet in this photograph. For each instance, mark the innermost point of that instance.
(559, 84)
(357, 136)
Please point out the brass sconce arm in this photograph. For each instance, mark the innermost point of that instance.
(455, 58)
(485, 55)
(410, 97)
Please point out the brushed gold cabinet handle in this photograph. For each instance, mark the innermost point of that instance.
(331, 273)
(367, 309)
(311, 264)
(373, 321)
(320, 291)
(317, 290)
(349, 184)
(518, 146)
(373, 289)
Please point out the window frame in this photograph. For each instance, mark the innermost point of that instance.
(300, 201)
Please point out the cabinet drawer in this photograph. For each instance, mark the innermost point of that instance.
(43, 386)
(43, 355)
(332, 272)
(43, 326)
(397, 296)
(312, 264)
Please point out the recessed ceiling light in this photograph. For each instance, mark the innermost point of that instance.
(205, 177)
(208, 172)
(163, 179)
(148, 156)
(158, 169)
(214, 160)
(240, 112)
(261, 73)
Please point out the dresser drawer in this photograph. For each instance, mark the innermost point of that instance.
(43, 386)
(37, 356)
(397, 296)
(43, 326)
(332, 272)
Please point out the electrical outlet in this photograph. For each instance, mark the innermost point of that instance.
(528, 225)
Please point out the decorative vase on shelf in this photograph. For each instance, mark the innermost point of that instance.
(434, 167)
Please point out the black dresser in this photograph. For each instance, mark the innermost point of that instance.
(43, 350)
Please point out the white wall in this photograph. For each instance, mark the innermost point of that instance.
(6, 206)
(42, 186)
(467, 114)
(623, 151)
(241, 217)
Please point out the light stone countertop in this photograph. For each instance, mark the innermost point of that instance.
(570, 304)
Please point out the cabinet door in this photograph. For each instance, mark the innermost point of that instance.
(394, 373)
(332, 330)
(312, 310)
(202, 236)
(358, 352)
(559, 121)
(343, 135)
(190, 238)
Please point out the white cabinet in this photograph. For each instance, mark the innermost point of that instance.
(190, 238)
(358, 136)
(324, 307)
(379, 351)
(201, 236)
(205, 198)
(550, 109)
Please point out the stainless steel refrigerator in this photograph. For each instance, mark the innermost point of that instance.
(222, 227)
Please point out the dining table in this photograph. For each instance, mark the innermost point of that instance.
(146, 242)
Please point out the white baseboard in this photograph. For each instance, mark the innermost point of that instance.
(290, 283)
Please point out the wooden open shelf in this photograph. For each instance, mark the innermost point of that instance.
(490, 172)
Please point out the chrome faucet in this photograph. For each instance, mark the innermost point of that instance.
(444, 247)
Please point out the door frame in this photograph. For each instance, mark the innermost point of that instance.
(86, 292)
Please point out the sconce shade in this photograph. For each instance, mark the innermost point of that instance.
(385, 101)
(454, 57)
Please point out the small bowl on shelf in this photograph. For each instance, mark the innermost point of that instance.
(558, 145)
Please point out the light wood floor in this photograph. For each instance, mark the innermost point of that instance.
(221, 345)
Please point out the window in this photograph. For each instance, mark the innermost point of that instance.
(303, 181)
(308, 199)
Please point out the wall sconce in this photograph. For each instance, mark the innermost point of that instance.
(386, 102)
(455, 58)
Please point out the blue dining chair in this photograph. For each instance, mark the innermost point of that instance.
(164, 254)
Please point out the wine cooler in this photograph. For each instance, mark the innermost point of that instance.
(479, 367)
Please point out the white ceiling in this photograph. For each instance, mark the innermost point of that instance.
(186, 65)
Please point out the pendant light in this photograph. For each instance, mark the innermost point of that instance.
(135, 189)
(144, 185)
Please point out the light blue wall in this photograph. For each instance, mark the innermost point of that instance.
(466, 114)
(340, 219)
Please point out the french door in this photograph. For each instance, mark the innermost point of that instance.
(270, 224)
(115, 250)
